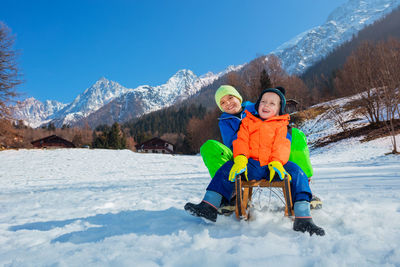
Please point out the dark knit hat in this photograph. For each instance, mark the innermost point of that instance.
(280, 91)
(280, 88)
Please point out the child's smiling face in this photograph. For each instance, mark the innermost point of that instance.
(230, 104)
(269, 105)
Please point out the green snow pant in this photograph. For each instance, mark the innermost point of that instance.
(299, 152)
(214, 155)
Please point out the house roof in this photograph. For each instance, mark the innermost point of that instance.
(291, 101)
(52, 138)
(154, 141)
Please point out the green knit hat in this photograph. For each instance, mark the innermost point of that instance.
(224, 90)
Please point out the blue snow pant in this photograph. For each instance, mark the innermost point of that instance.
(299, 186)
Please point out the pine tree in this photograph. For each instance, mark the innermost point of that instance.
(265, 81)
(116, 138)
(77, 140)
(99, 141)
(51, 127)
(113, 137)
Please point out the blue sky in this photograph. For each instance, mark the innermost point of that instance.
(66, 46)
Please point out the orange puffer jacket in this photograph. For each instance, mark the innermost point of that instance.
(264, 141)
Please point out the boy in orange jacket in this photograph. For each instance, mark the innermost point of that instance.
(261, 150)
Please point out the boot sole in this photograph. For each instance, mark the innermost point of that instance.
(194, 213)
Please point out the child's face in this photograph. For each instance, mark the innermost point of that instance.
(269, 105)
(230, 104)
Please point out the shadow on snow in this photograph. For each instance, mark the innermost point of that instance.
(141, 222)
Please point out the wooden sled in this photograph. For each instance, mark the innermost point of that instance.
(244, 191)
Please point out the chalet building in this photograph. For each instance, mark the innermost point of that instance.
(52, 141)
(291, 106)
(155, 145)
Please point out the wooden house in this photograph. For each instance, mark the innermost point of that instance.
(156, 145)
(52, 141)
(291, 106)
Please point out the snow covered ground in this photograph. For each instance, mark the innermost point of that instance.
(79, 207)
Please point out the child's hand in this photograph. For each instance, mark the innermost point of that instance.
(276, 167)
(238, 167)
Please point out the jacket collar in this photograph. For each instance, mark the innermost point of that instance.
(284, 117)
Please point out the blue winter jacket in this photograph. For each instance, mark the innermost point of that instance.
(229, 124)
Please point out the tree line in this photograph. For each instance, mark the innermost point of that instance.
(169, 124)
(18, 135)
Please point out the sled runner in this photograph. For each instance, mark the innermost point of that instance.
(244, 191)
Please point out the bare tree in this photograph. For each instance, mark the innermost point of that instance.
(372, 71)
(336, 113)
(273, 66)
(196, 129)
(296, 89)
(7, 133)
(236, 80)
(265, 81)
(389, 76)
(9, 75)
(359, 76)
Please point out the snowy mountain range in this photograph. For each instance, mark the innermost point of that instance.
(34, 113)
(309, 47)
(107, 97)
(106, 101)
(145, 98)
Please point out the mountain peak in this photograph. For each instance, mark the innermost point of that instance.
(103, 79)
(183, 73)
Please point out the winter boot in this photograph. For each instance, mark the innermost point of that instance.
(227, 206)
(203, 209)
(307, 225)
(315, 203)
